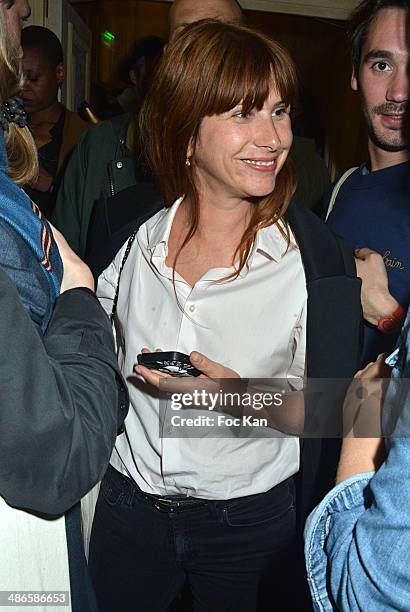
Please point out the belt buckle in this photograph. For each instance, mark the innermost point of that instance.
(165, 500)
(160, 502)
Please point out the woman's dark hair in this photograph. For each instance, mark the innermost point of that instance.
(360, 22)
(210, 68)
(46, 42)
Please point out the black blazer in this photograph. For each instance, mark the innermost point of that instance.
(334, 314)
(333, 343)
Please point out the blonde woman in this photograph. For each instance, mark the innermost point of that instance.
(56, 438)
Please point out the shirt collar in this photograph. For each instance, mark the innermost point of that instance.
(159, 227)
(271, 243)
(268, 242)
(364, 169)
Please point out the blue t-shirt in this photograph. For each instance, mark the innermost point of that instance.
(372, 210)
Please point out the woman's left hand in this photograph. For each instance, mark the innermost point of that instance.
(210, 370)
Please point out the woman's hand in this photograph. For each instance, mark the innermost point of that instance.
(76, 272)
(211, 370)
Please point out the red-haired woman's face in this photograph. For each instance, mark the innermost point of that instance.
(240, 155)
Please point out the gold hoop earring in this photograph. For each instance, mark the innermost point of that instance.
(188, 162)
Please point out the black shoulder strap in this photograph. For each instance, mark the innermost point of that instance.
(124, 259)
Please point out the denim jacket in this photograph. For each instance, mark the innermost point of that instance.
(357, 541)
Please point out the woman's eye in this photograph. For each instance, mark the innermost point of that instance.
(279, 112)
(241, 115)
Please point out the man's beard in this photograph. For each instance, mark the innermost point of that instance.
(399, 139)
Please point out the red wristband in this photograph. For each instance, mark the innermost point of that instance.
(394, 322)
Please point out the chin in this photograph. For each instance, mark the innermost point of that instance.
(263, 191)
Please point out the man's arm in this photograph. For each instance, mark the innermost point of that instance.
(368, 542)
(358, 540)
(62, 401)
(363, 448)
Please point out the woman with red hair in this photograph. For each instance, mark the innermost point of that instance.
(223, 274)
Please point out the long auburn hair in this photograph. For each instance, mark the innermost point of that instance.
(210, 68)
(21, 150)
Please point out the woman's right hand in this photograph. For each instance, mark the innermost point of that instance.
(76, 272)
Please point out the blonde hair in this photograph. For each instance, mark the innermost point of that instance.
(21, 149)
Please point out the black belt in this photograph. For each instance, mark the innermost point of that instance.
(165, 503)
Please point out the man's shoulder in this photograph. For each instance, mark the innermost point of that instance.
(110, 131)
(347, 177)
(341, 184)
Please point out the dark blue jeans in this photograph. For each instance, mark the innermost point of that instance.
(235, 554)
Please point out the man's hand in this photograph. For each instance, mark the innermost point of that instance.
(76, 272)
(362, 412)
(376, 298)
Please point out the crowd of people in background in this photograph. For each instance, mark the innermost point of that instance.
(200, 224)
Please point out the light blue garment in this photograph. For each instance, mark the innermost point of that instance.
(357, 541)
(27, 242)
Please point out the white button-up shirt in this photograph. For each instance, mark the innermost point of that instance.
(255, 325)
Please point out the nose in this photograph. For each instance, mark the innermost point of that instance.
(268, 134)
(398, 90)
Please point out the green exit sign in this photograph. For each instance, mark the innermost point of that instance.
(108, 38)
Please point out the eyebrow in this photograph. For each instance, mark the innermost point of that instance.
(377, 54)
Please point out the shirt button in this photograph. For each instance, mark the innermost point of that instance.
(192, 308)
(119, 165)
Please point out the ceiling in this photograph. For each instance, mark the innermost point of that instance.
(330, 9)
